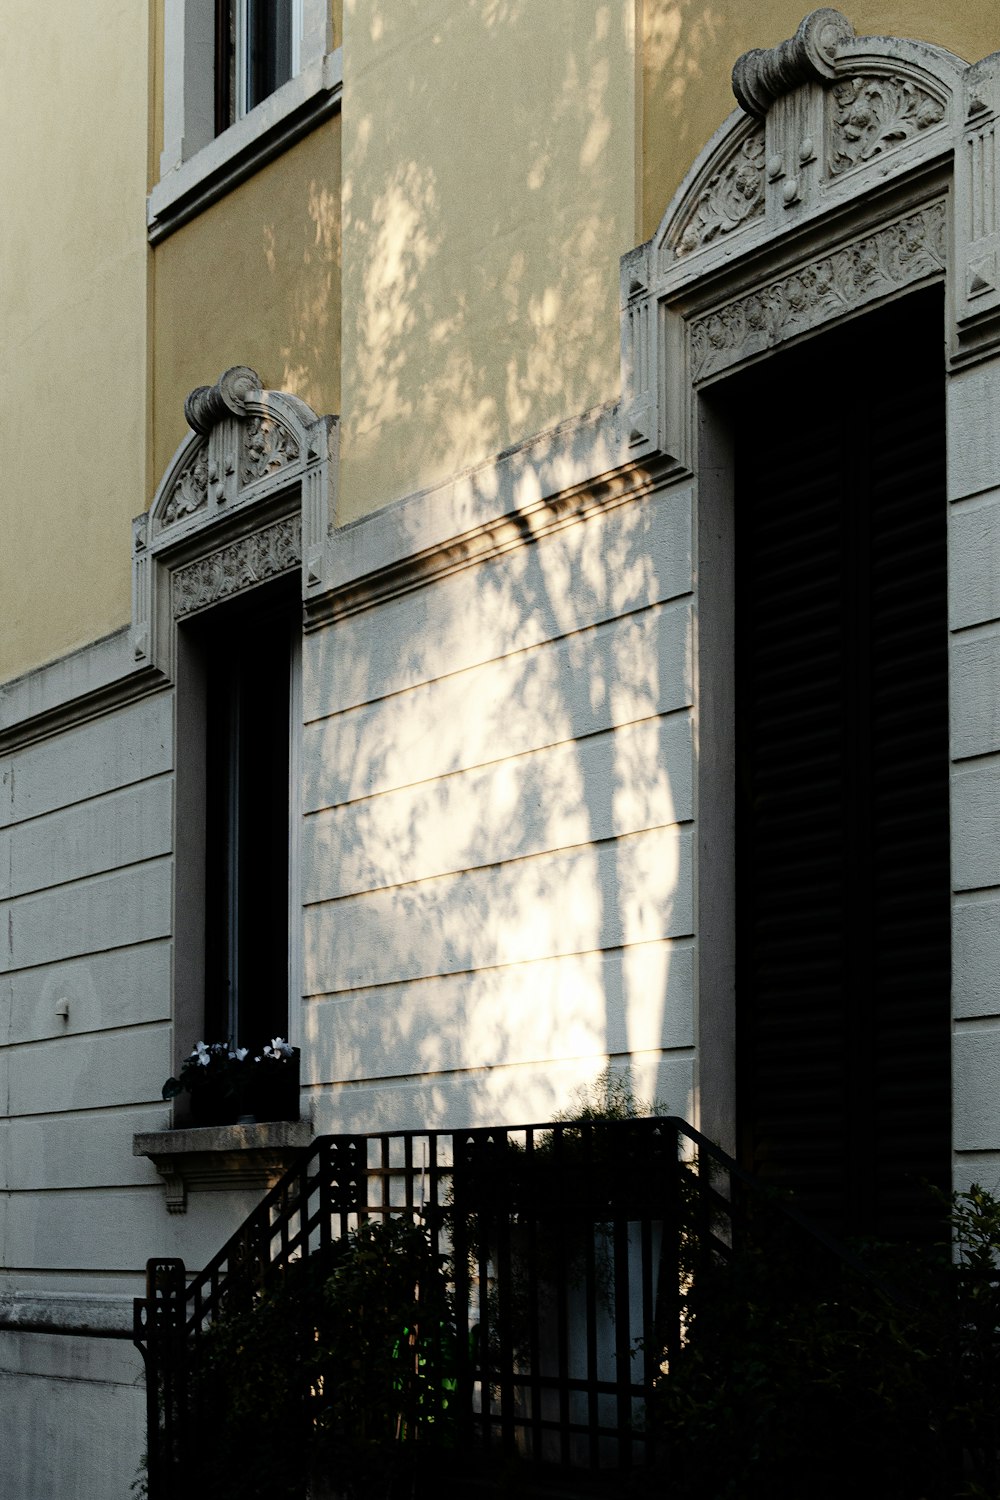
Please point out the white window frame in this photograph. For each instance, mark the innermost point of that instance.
(242, 69)
(197, 166)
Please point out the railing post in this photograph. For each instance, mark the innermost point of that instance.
(158, 1323)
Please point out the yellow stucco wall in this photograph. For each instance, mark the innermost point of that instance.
(73, 117)
(254, 280)
(489, 177)
(498, 158)
(689, 48)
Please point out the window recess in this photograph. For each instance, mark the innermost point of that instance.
(249, 663)
(234, 543)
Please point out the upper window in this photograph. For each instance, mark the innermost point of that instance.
(256, 51)
(242, 81)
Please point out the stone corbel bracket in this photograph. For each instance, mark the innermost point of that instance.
(639, 354)
(249, 495)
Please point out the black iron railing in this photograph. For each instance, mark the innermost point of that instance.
(570, 1248)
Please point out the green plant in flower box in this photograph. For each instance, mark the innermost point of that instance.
(227, 1082)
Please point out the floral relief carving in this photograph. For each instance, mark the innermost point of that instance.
(239, 565)
(190, 492)
(872, 115)
(266, 449)
(732, 197)
(894, 256)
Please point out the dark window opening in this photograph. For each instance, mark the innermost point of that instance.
(254, 48)
(248, 684)
(843, 883)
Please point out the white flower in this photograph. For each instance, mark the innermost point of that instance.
(201, 1052)
(241, 1053)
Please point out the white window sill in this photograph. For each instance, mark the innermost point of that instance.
(276, 123)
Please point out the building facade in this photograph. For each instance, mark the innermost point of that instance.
(565, 632)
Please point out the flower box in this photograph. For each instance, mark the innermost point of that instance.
(230, 1085)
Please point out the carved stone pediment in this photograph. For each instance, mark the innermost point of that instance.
(247, 497)
(732, 196)
(855, 168)
(244, 437)
(814, 111)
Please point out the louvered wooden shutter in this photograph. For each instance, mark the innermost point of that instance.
(843, 935)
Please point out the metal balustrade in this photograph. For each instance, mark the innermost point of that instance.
(570, 1249)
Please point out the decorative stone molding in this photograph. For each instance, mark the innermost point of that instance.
(899, 255)
(249, 496)
(239, 565)
(869, 116)
(267, 447)
(732, 196)
(762, 75)
(190, 490)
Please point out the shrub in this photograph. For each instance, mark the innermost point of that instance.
(340, 1375)
(801, 1372)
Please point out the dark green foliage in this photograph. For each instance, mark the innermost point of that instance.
(340, 1375)
(802, 1372)
(388, 1397)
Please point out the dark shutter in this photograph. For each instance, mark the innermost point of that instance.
(843, 931)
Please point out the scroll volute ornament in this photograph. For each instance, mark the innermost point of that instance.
(228, 397)
(765, 73)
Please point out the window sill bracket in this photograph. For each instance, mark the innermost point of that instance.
(218, 1158)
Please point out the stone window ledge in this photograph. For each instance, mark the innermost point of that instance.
(214, 1158)
(281, 119)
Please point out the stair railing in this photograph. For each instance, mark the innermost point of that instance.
(571, 1248)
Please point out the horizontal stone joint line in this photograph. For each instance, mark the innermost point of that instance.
(442, 777)
(682, 942)
(676, 602)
